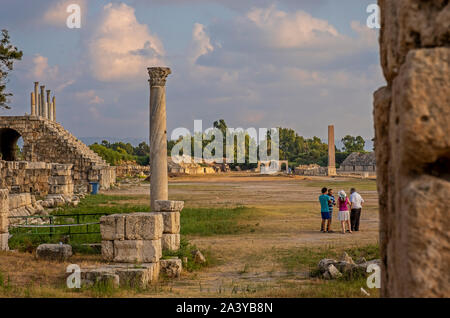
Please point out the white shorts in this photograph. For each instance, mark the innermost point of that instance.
(343, 216)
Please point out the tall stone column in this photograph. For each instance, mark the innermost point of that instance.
(36, 98)
(49, 106)
(33, 105)
(158, 135)
(42, 101)
(54, 108)
(331, 152)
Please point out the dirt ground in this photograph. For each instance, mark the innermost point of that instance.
(287, 218)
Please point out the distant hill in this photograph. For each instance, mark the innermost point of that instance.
(133, 141)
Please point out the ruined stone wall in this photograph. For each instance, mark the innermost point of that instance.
(412, 128)
(37, 178)
(48, 141)
(123, 171)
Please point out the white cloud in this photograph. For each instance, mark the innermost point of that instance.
(121, 48)
(41, 70)
(290, 30)
(90, 97)
(201, 43)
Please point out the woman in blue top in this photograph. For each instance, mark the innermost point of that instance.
(324, 200)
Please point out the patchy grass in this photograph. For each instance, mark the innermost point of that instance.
(217, 221)
(186, 250)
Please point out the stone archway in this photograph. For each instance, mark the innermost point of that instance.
(8, 143)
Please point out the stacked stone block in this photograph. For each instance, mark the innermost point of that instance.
(412, 128)
(61, 181)
(48, 141)
(170, 211)
(132, 238)
(4, 211)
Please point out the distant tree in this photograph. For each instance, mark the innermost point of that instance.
(142, 149)
(8, 54)
(353, 144)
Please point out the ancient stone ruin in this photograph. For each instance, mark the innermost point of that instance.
(134, 242)
(412, 125)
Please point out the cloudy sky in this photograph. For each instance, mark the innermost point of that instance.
(302, 64)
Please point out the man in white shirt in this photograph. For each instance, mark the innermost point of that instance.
(356, 202)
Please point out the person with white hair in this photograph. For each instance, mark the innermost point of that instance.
(344, 214)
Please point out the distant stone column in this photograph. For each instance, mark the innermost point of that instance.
(33, 105)
(42, 101)
(49, 106)
(54, 108)
(158, 135)
(36, 98)
(331, 152)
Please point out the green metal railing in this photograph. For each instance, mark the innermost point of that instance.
(36, 229)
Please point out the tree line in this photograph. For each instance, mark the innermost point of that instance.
(298, 150)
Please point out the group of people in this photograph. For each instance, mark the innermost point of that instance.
(349, 210)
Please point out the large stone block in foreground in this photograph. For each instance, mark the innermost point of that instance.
(112, 227)
(137, 251)
(411, 24)
(143, 226)
(4, 241)
(108, 250)
(168, 206)
(170, 242)
(54, 252)
(171, 222)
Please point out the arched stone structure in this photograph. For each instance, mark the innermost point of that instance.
(8, 142)
(47, 141)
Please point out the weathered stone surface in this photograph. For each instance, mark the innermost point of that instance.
(101, 275)
(4, 241)
(334, 272)
(171, 267)
(143, 226)
(112, 227)
(4, 201)
(108, 250)
(324, 263)
(168, 206)
(408, 25)
(346, 258)
(137, 251)
(412, 119)
(199, 258)
(54, 252)
(420, 103)
(170, 242)
(48, 141)
(4, 223)
(171, 222)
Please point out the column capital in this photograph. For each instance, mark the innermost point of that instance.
(158, 75)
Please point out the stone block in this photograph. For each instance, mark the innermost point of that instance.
(4, 201)
(112, 227)
(108, 250)
(4, 223)
(54, 252)
(171, 267)
(143, 226)
(101, 275)
(168, 206)
(407, 25)
(170, 242)
(137, 251)
(4, 237)
(171, 222)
